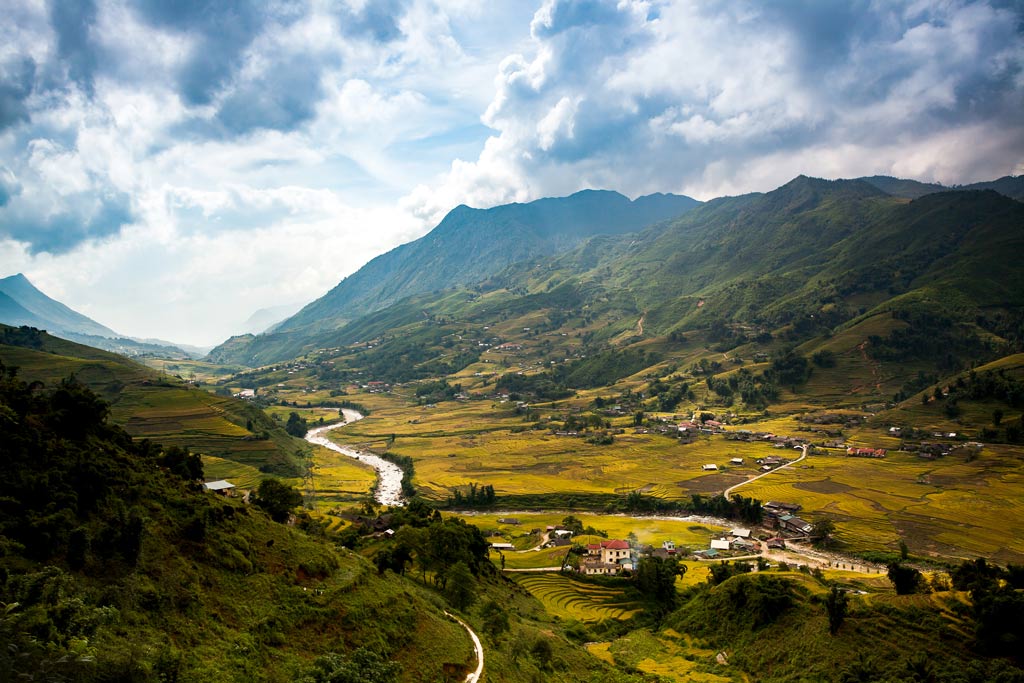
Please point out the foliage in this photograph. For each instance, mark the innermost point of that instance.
(277, 498)
(296, 425)
(362, 666)
(477, 495)
(904, 579)
(656, 581)
(836, 605)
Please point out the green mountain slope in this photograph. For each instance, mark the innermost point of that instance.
(153, 406)
(924, 285)
(467, 246)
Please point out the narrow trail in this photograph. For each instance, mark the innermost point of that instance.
(875, 365)
(640, 325)
(389, 475)
(478, 649)
(728, 491)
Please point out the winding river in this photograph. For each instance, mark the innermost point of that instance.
(389, 475)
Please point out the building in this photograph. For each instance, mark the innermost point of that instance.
(709, 467)
(720, 544)
(736, 461)
(502, 546)
(220, 486)
(795, 524)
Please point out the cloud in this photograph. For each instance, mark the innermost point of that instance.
(673, 96)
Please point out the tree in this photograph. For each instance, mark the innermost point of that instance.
(296, 425)
(459, 588)
(573, 524)
(277, 498)
(997, 416)
(904, 550)
(823, 531)
(656, 581)
(904, 579)
(836, 604)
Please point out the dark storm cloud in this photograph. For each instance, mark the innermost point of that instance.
(84, 218)
(223, 30)
(73, 22)
(16, 84)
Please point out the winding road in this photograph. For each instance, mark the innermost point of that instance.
(728, 491)
(389, 475)
(478, 649)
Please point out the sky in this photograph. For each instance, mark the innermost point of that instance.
(168, 168)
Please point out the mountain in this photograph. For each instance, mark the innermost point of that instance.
(467, 246)
(54, 315)
(472, 244)
(266, 318)
(1010, 186)
(21, 303)
(933, 281)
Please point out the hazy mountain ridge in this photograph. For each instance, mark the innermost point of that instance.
(1010, 186)
(21, 303)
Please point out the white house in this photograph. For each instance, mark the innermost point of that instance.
(710, 467)
(719, 544)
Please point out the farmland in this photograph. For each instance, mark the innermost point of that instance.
(947, 507)
(569, 598)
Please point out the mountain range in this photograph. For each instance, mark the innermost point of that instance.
(823, 250)
(21, 303)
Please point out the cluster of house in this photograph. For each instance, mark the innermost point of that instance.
(376, 387)
(736, 540)
(858, 452)
(777, 440)
(690, 427)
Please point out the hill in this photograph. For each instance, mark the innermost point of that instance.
(118, 566)
(21, 303)
(467, 246)
(152, 405)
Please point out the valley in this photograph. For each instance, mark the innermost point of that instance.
(754, 429)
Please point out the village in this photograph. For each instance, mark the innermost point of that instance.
(615, 557)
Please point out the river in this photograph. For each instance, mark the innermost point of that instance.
(389, 475)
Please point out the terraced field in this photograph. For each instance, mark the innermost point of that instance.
(571, 599)
(159, 408)
(668, 654)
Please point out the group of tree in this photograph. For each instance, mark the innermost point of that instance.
(297, 426)
(476, 495)
(738, 507)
